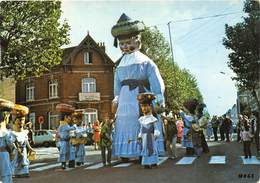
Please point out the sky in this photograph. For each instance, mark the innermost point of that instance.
(197, 45)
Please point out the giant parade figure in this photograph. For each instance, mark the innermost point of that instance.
(6, 144)
(135, 73)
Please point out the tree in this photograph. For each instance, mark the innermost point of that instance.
(31, 37)
(243, 40)
(180, 85)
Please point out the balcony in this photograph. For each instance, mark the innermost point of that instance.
(89, 96)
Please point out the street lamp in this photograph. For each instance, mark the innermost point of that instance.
(238, 99)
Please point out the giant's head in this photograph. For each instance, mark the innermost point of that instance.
(127, 32)
(65, 111)
(20, 111)
(5, 110)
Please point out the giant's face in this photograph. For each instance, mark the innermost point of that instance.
(20, 122)
(129, 45)
(68, 119)
(146, 108)
(5, 117)
(77, 121)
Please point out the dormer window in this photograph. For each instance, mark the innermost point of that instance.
(87, 58)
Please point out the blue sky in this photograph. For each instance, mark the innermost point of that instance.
(197, 45)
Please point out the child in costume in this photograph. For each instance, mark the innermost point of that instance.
(149, 131)
(106, 141)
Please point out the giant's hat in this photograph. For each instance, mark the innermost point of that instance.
(6, 105)
(64, 108)
(126, 27)
(78, 114)
(146, 98)
(20, 110)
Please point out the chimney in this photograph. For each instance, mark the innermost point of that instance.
(102, 46)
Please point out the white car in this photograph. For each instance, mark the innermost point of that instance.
(44, 137)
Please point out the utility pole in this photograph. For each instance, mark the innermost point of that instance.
(169, 27)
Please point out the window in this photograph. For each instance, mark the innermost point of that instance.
(53, 121)
(30, 92)
(32, 119)
(53, 89)
(88, 85)
(90, 116)
(87, 58)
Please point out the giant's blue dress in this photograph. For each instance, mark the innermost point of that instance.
(187, 121)
(149, 131)
(66, 152)
(5, 164)
(20, 162)
(80, 152)
(135, 66)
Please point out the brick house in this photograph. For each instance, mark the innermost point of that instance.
(84, 79)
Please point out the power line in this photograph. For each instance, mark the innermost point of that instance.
(197, 18)
(213, 16)
(196, 29)
(200, 48)
(192, 19)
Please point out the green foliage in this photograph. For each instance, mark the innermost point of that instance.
(31, 36)
(243, 41)
(180, 85)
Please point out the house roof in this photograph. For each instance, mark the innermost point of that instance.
(67, 52)
(87, 43)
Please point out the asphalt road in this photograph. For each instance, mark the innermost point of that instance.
(200, 171)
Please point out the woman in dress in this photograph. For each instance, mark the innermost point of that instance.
(135, 73)
(96, 135)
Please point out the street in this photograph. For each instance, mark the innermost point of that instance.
(223, 164)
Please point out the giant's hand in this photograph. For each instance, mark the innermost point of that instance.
(159, 109)
(114, 107)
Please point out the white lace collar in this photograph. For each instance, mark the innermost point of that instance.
(22, 133)
(147, 119)
(133, 58)
(4, 133)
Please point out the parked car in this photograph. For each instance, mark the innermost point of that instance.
(44, 137)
